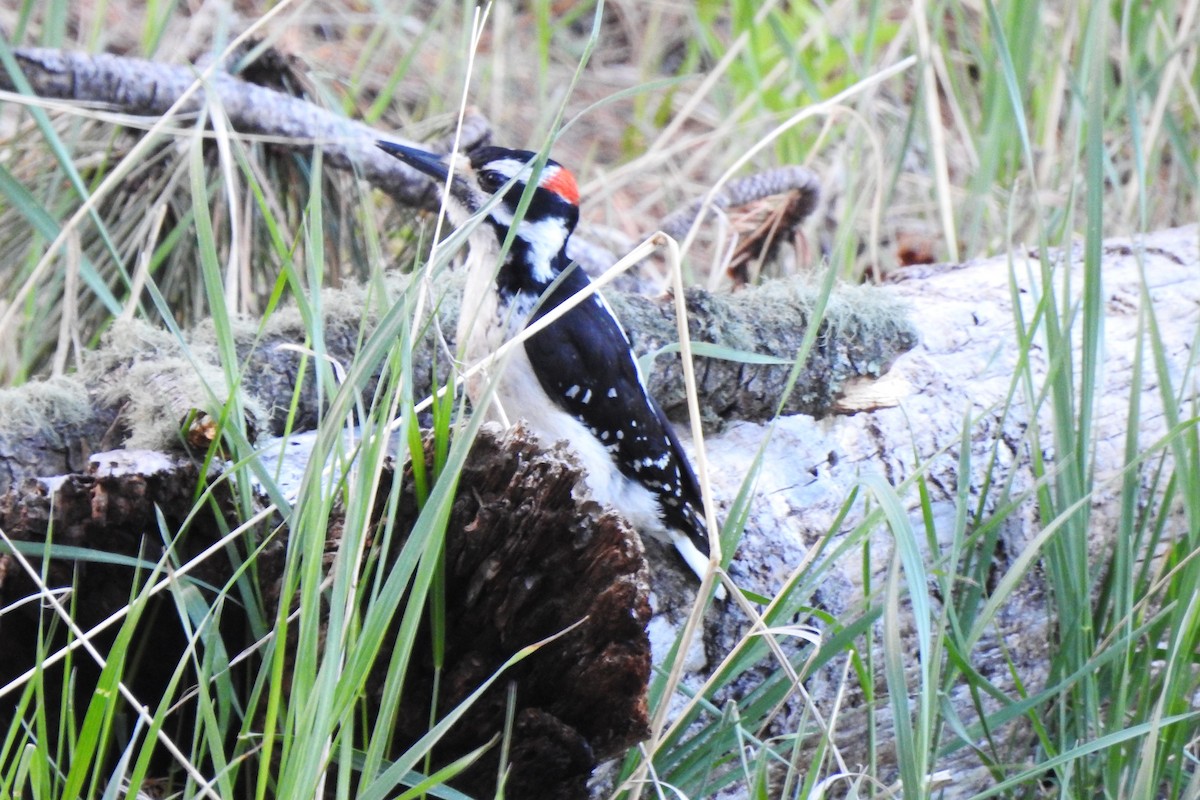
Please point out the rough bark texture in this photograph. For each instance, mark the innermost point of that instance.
(112, 510)
(862, 333)
(51, 428)
(525, 561)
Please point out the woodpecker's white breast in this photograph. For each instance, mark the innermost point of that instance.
(482, 324)
(521, 396)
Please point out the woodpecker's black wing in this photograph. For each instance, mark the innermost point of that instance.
(583, 361)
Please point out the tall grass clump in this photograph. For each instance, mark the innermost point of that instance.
(1022, 127)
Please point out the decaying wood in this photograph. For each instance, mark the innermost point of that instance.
(962, 369)
(525, 560)
(862, 333)
(135, 513)
(838, 428)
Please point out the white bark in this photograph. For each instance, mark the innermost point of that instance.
(963, 368)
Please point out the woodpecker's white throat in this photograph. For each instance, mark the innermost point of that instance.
(576, 380)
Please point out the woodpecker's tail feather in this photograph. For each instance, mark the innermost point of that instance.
(694, 549)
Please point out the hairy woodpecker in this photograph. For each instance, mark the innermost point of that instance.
(577, 379)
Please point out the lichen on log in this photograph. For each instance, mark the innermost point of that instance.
(144, 384)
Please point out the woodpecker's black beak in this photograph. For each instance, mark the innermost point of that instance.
(432, 165)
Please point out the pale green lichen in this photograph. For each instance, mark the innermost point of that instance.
(158, 382)
(44, 407)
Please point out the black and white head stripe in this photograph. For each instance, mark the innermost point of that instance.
(549, 217)
(496, 166)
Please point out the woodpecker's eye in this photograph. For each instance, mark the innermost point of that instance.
(490, 181)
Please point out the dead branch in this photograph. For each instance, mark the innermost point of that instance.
(147, 88)
(742, 191)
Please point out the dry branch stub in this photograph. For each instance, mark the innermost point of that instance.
(780, 180)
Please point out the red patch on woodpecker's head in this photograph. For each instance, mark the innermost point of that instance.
(560, 181)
